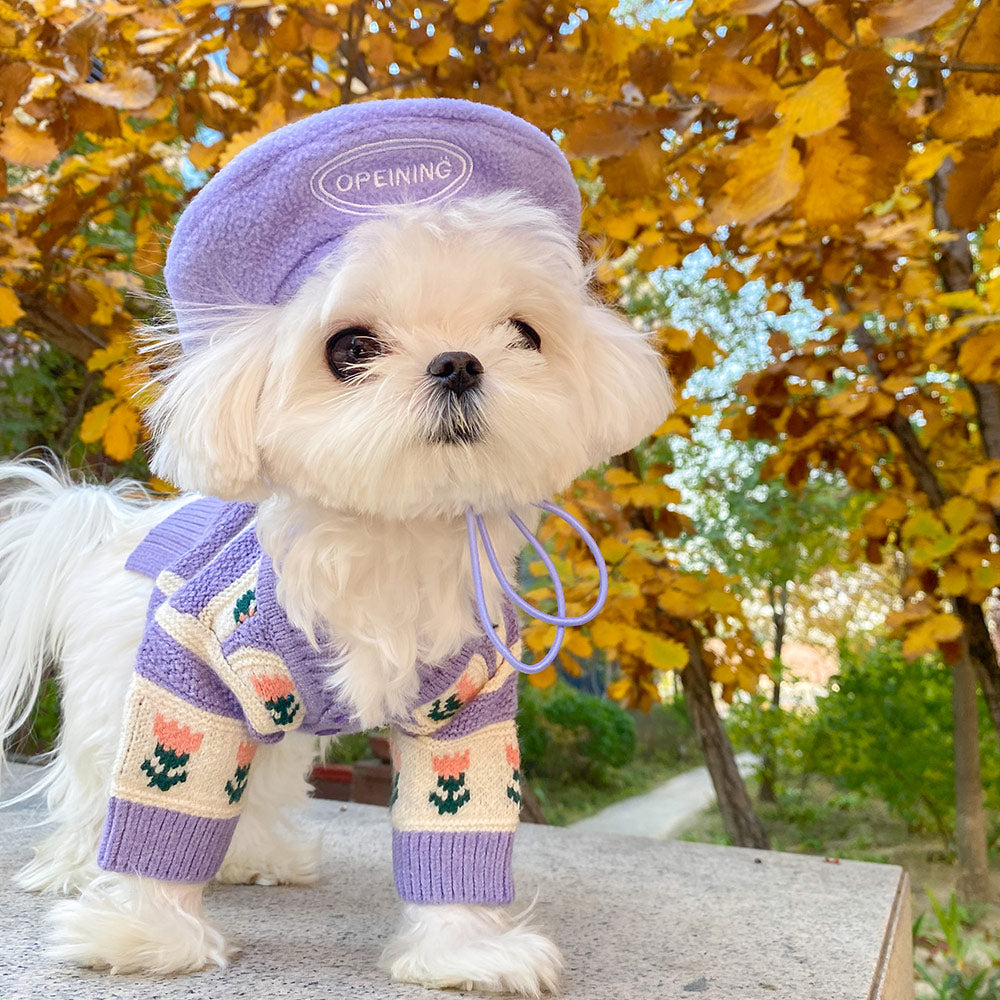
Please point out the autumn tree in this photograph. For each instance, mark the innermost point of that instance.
(113, 114)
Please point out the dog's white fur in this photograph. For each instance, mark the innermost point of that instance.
(363, 517)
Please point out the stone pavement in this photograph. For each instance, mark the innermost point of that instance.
(636, 918)
(664, 811)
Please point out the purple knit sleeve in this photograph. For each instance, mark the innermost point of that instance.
(456, 787)
(209, 687)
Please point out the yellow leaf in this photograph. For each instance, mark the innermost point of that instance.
(436, 49)
(979, 357)
(162, 486)
(967, 114)
(106, 300)
(121, 433)
(544, 678)
(613, 550)
(608, 635)
(966, 299)
(663, 653)
(578, 644)
(616, 476)
(987, 577)
(837, 177)
(765, 174)
(271, 117)
(945, 627)
(129, 89)
(105, 357)
(95, 421)
(953, 580)
(469, 11)
(620, 689)
(204, 157)
(740, 88)
(918, 641)
(817, 105)
(10, 306)
(666, 254)
(958, 513)
(506, 21)
(27, 146)
(925, 163)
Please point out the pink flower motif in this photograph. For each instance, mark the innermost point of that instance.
(466, 688)
(246, 753)
(273, 687)
(451, 765)
(514, 756)
(173, 736)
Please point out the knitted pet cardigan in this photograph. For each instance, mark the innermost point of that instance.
(221, 670)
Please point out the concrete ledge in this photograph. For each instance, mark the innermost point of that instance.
(635, 918)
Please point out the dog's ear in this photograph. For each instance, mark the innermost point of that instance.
(205, 419)
(630, 389)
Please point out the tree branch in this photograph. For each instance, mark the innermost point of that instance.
(43, 318)
(916, 60)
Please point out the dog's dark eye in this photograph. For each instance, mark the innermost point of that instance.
(348, 351)
(526, 335)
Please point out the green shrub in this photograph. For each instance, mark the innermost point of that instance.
(885, 729)
(567, 734)
(755, 725)
(41, 731)
(347, 749)
(666, 734)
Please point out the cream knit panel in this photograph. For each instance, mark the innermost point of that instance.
(462, 785)
(176, 756)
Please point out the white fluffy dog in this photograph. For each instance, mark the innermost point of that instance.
(362, 476)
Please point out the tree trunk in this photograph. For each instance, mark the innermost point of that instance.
(970, 818)
(531, 808)
(768, 764)
(983, 655)
(742, 823)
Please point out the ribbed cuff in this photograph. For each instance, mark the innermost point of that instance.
(453, 867)
(160, 843)
(173, 537)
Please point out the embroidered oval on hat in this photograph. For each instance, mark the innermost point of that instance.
(365, 179)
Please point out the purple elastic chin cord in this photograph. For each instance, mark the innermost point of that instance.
(474, 522)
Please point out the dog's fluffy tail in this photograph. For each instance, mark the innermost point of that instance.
(47, 523)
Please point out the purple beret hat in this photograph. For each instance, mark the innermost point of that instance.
(261, 226)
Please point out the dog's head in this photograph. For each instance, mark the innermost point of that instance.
(448, 356)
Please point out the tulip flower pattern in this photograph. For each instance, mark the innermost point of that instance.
(465, 691)
(278, 695)
(236, 786)
(514, 759)
(451, 770)
(174, 745)
(246, 607)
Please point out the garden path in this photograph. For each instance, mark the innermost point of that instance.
(664, 811)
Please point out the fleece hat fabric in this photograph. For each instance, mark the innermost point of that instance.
(263, 224)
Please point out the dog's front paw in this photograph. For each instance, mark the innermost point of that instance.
(128, 924)
(472, 947)
(295, 863)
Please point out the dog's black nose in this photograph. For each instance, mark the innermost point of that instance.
(457, 371)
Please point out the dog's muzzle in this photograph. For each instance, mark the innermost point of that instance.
(456, 371)
(457, 378)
